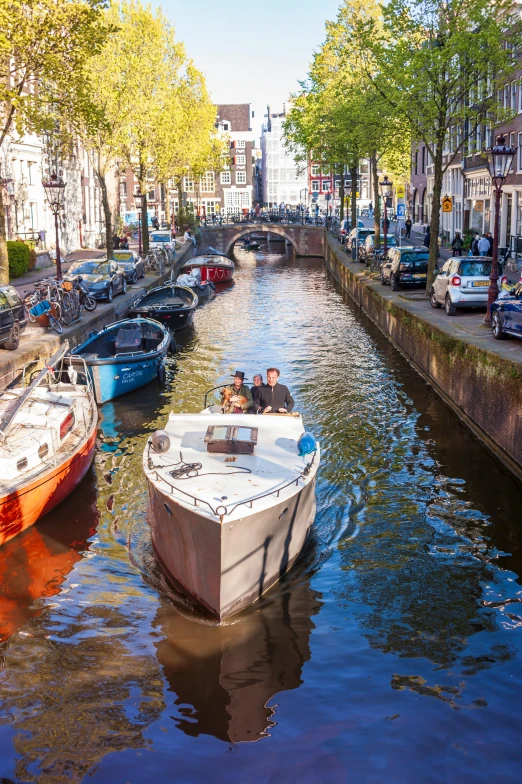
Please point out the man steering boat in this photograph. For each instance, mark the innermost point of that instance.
(236, 398)
(274, 397)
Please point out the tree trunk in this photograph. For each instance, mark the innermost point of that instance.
(168, 216)
(4, 258)
(376, 201)
(144, 218)
(353, 175)
(435, 212)
(106, 214)
(341, 193)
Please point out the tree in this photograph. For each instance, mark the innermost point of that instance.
(438, 66)
(44, 45)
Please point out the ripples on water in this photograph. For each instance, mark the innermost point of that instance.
(391, 651)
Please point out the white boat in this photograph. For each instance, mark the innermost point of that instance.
(227, 525)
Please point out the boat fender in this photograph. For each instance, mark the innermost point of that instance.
(162, 374)
(306, 444)
(160, 442)
(212, 285)
(172, 345)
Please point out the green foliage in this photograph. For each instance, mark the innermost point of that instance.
(19, 257)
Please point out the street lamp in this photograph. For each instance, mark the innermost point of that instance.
(385, 187)
(139, 203)
(500, 158)
(54, 189)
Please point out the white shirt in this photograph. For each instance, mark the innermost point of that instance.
(483, 244)
(187, 237)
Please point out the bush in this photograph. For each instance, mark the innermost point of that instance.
(19, 257)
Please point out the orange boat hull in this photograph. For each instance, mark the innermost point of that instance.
(22, 508)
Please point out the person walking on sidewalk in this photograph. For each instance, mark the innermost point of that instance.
(483, 246)
(474, 249)
(407, 226)
(457, 244)
(427, 238)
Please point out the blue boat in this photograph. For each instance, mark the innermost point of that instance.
(125, 356)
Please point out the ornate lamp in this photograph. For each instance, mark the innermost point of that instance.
(138, 198)
(386, 187)
(500, 157)
(54, 189)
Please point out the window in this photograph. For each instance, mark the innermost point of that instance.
(512, 144)
(505, 102)
(31, 167)
(151, 195)
(315, 170)
(207, 183)
(514, 96)
(240, 160)
(326, 186)
(240, 143)
(225, 178)
(189, 184)
(315, 186)
(241, 178)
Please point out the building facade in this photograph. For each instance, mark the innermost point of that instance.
(282, 182)
(324, 186)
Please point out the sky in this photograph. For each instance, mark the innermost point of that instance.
(251, 52)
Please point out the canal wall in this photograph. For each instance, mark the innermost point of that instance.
(37, 343)
(475, 375)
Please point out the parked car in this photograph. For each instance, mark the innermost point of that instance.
(12, 318)
(462, 283)
(345, 227)
(406, 266)
(129, 261)
(506, 314)
(161, 239)
(356, 236)
(367, 249)
(104, 278)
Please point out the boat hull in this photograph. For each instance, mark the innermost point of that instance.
(115, 379)
(226, 566)
(216, 274)
(22, 508)
(172, 319)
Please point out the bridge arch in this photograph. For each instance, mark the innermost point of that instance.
(258, 229)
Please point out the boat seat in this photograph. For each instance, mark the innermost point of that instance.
(128, 340)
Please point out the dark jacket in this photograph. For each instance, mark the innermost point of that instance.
(256, 393)
(427, 239)
(277, 397)
(474, 246)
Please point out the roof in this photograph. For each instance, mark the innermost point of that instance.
(237, 114)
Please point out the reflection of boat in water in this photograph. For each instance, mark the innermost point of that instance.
(231, 503)
(36, 563)
(227, 674)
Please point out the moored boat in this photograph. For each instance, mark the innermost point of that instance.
(125, 356)
(47, 439)
(251, 245)
(231, 503)
(171, 304)
(218, 269)
(204, 291)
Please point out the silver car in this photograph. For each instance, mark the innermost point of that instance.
(462, 283)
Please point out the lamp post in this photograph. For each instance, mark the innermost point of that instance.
(139, 203)
(500, 158)
(385, 187)
(54, 189)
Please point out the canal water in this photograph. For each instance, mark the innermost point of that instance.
(390, 653)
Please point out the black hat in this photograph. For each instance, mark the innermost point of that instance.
(239, 374)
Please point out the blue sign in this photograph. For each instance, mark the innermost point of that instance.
(401, 210)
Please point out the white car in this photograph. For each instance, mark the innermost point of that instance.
(462, 283)
(160, 238)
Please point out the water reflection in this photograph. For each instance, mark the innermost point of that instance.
(224, 676)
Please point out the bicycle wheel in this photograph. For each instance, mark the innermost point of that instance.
(76, 307)
(67, 310)
(54, 324)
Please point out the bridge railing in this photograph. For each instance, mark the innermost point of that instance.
(274, 218)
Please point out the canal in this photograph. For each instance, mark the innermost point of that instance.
(391, 652)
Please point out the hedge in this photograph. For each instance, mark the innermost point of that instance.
(19, 256)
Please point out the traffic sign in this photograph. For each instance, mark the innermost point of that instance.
(401, 210)
(399, 191)
(447, 204)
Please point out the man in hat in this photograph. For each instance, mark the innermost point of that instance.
(236, 398)
(274, 396)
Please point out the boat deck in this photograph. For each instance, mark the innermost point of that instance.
(220, 481)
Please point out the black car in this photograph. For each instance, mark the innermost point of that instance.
(131, 263)
(407, 266)
(506, 313)
(12, 318)
(367, 248)
(104, 278)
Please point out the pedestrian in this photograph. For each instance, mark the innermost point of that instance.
(155, 222)
(407, 226)
(115, 241)
(483, 246)
(370, 209)
(41, 238)
(124, 242)
(427, 237)
(188, 237)
(457, 244)
(490, 239)
(474, 249)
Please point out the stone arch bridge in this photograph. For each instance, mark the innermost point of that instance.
(306, 240)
